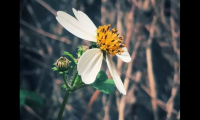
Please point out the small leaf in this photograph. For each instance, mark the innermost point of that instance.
(101, 77)
(54, 63)
(60, 73)
(63, 87)
(78, 81)
(54, 68)
(66, 72)
(106, 87)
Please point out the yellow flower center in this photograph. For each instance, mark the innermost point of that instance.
(109, 41)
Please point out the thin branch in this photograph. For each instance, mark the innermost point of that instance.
(176, 50)
(153, 2)
(152, 83)
(106, 108)
(130, 95)
(44, 65)
(45, 5)
(40, 31)
(162, 15)
(160, 103)
(92, 99)
(170, 103)
(30, 10)
(130, 26)
(32, 112)
(38, 52)
(178, 116)
(126, 81)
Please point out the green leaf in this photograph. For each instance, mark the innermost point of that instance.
(60, 73)
(22, 97)
(78, 81)
(54, 68)
(66, 72)
(63, 87)
(107, 87)
(101, 77)
(33, 100)
(30, 98)
(70, 55)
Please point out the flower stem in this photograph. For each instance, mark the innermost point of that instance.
(75, 76)
(65, 81)
(65, 97)
(63, 104)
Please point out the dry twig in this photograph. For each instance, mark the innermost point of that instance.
(40, 31)
(32, 112)
(92, 99)
(45, 5)
(151, 78)
(126, 81)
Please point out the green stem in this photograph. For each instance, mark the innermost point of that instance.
(74, 78)
(65, 81)
(66, 94)
(63, 104)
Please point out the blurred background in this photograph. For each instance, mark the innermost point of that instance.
(151, 29)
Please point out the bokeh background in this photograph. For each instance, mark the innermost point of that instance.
(151, 29)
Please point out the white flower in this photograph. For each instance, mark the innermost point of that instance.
(108, 41)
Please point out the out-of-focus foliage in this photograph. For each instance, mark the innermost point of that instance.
(30, 98)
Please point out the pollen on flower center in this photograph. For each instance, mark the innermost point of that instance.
(109, 41)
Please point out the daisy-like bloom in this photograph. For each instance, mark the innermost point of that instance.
(108, 41)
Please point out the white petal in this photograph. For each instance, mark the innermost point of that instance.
(73, 29)
(88, 78)
(115, 75)
(125, 56)
(74, 26)
(86, 21)
(89, 65)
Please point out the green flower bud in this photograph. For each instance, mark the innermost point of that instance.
(76, 60)
(81, 50)
(63, 64)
